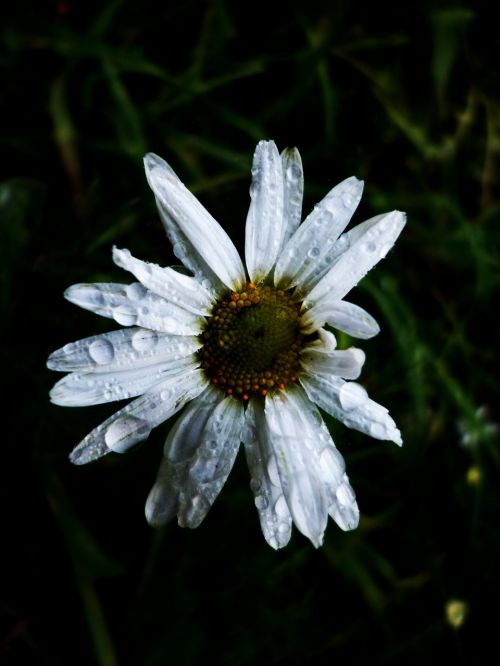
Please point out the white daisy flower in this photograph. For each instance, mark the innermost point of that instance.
(245, 354)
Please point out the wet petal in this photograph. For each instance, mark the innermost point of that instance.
(92, 388)
(310, 249)
(206, 244)
(212, 461)
(121, 350)
(274, 515)
(344, 316)
(265, 224)
(134, 422)
(342, 505)
(293, 179)
(180, 447)
(346, 363)
(171, 285)
(134, 305)
(297, 466)
(355, 262)
(199, 455)
(349, 403)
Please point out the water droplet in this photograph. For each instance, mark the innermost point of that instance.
(294, 172)
(255, 485)
(314, 252)
(101, 351)
(261, 502)
(206, 283)
(345, 494)
(180, 250)
(165, 394)
(332, 462)
(126, 431)
(206, 471)
(272, 470)
(352, 395)
(273, 542)
(125, 315)
(255, 187)
(378, 431)
(135, 291)
(281, 508)
(144, 340)
(283, 528)
(347, 200)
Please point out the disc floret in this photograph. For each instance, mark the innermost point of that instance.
(252, 341)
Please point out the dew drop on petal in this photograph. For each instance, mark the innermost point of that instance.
(144, 340)
(314, 252)
(331, 461)
(261, 502)
(345, 494)
(272, 470)
(294, 172)
(101, 351)
(283, 528)
(347, 200)
(135, 291)
(125, 315)
(281, 507)
(126, 431)
(352, 395)
(212, 445)
(179, 250)
(378, 431)
(255, 485)
(272, 541)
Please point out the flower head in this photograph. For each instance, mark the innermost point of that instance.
(244, 354)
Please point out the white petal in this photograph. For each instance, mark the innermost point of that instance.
(346, 363)
(342, 505)
(134, 305)
(349, 402)
(309, 251)
(293, 179)
(274, 515)
(344, 316)
(199, 454)
(174, 287)
(204, 239)
(212, 462)
(265, 224)
(297, 466)
(325, 341)
(134, 422)
(92, 388)
(355, 262)
(182, 441)
(123, 349)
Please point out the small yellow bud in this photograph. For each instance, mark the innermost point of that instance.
(456, 612)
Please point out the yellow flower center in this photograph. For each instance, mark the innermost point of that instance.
(252, 342)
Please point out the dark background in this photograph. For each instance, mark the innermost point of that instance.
(406, 97)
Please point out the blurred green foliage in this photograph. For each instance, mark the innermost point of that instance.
(406, 97)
